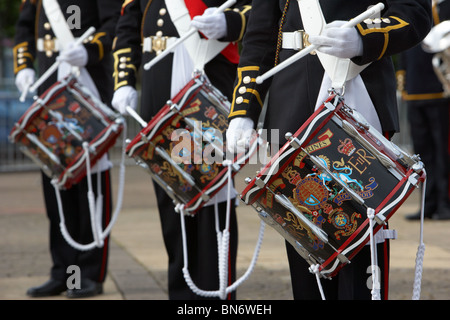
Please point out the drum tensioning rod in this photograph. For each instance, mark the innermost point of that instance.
(188, 34)
(191, 124)
(319, 233)
(163, 154)
(352, 23)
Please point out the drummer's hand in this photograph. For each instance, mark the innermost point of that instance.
(123, 97)
(75, 55)
(213, 26)
(25, 78)
(239, 133)
(340, 42)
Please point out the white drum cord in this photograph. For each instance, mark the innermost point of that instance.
(95, 205)
(373, 257)
(223, 239)
(420, 250)
(316, 270)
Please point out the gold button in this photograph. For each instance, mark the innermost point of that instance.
(239, 100)
(123, 59)
(121, 74)
(162, 12)
(160, 22)
(47, 26)
(47, 37)
(21, 49)
(20, 61)
(122, 66)
(247, 79)
(242, 90)
(159, 34)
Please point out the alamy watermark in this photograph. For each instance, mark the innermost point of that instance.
(207, 145)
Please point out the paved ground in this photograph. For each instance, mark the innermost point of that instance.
(137, 269)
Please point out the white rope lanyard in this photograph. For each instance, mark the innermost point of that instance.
(373, 257)
(420, 250)
(315, 269)
(223, 239)
(95, 205)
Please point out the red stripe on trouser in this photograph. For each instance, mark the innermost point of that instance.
(107, 202)
(386, 268)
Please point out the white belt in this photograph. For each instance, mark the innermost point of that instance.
(296, 40)
(157, 44)
(52, 44)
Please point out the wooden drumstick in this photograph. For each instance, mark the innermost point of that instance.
(136, 117)
(25, 92)
(353, 22)
(55, 65)
(170, 48)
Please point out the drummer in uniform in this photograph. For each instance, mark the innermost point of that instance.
(144, 30)
(35, 39)
(276, 32)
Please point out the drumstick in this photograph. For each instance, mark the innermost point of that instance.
(24, 93)
(55, 65)
(360, 18)
(170, 48)
(136, 117)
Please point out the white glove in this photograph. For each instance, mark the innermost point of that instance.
(25, 78)
(213, 26)
(339, 42)
(123, 97)
(75, 55)
(239, 133)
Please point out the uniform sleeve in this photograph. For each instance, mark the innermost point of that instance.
(24, 50)
(237, 18)
(127, 49)
(402, 25)
(100, 43)
(257, 56)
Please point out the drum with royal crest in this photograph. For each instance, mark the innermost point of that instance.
(183, 147)
(318, 189)
(66, 126)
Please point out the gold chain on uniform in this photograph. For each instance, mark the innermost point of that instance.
(280, 32)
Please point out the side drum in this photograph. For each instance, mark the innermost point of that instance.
(183, 146)
(321, 188)
(63, 128)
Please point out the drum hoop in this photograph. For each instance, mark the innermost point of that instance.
(364, 238)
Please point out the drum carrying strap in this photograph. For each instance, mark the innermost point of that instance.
(65, 36)
(338, 69)
(342, 73)
(201, 51)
